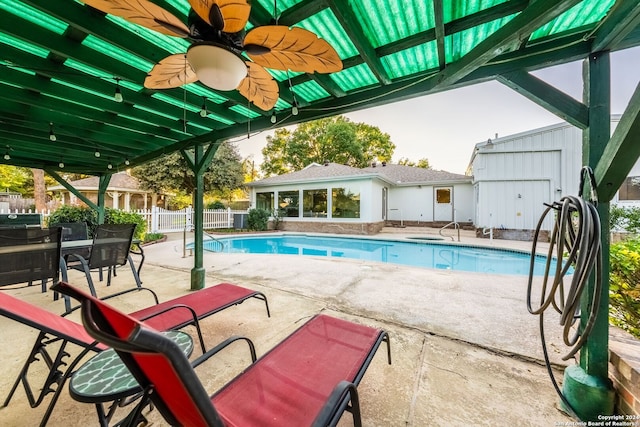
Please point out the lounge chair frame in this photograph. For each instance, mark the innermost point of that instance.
(170, 382)
(57, 329)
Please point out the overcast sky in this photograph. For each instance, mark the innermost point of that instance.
(444, 127)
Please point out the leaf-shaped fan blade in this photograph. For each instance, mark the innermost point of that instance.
(229, 16)
(294, 49)
(143, 12)
(259, 87)
(172, 71)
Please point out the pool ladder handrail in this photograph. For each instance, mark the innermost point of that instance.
(455, 225)
(184, 242)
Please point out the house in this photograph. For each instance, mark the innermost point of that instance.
(343, 199)
(123, 193)
(514, 176)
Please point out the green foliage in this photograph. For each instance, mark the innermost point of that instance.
(216, 205)
(90, 217)
(152, 237)
(624, 286)
(422, 163)
(172, 173)
(258, 219)
(16, 179)
(624, 218)
(333, 139)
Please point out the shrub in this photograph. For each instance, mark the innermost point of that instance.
(216, 205)
(624, 286)
(258, 219)
(624, 218)
(90, 217)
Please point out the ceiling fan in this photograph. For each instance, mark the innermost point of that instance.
(217, 30)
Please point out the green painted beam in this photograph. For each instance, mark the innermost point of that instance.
(343, 12)
(622, 19)
(71, 188)
(512, 33)
(438, 13)
(622, 151)
(548, 97)
(587, 387)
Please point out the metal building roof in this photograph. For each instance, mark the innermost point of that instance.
(61, 61)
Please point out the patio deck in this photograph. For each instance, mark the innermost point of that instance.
(465, 350)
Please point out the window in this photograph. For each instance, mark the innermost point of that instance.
(288, 202)
(630, 189)
(265, 201)
(345, 203)
(314, 203)
(443, 195)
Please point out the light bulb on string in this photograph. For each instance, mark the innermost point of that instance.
(274, 119)
(61, 164)
(52, 135)
(203, 110)
(97, 153)
(117, 96)
(109, 166)
(126, 161)
(294, 108)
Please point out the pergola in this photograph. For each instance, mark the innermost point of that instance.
(62, 62)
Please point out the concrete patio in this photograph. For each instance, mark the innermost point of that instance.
(465, 350)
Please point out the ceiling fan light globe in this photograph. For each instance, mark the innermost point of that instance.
(216, 67)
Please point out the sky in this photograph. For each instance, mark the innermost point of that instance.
(444, 127)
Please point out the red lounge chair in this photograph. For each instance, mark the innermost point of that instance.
(172, 314)
(310, 378)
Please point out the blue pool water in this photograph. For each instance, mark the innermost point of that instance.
(416, 254)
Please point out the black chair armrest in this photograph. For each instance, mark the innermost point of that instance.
(224, 344)
(69, 309)
(338, 402)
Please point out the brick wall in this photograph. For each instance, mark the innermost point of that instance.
(624, 370)
(332, 227)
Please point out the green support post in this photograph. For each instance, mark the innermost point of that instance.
(198, 271)
(587, 386)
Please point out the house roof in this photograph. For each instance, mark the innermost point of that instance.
(119, 181)
(393, 174)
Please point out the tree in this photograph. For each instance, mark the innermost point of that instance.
(333, 139)
(39, 189)
(171, 173)
(422, 163)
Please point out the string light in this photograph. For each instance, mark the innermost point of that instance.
(7, 156)
(52, 135)
(109, 166)
(126, 161)
(117, 96)
(294, 108)
(97, 153)
(203, 110)
(61, 164)
(274, 119)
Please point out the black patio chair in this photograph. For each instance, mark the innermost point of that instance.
(110, 249)
(28, 255)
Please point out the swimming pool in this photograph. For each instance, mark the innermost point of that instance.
(417, 254)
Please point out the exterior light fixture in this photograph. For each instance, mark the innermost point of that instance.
(203, 110)
(117, 96)
(215, 66)
(52, 135)
(109, 166)
(294, 108)
(61, 164)
(274, 119)
(126, 161)
(97, 153)
(7, 156)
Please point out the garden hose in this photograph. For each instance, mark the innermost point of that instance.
(575, 242)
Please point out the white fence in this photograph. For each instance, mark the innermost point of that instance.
(164, 221)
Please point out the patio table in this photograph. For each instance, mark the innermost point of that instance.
(105, 379)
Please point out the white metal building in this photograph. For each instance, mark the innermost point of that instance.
(515, 175)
